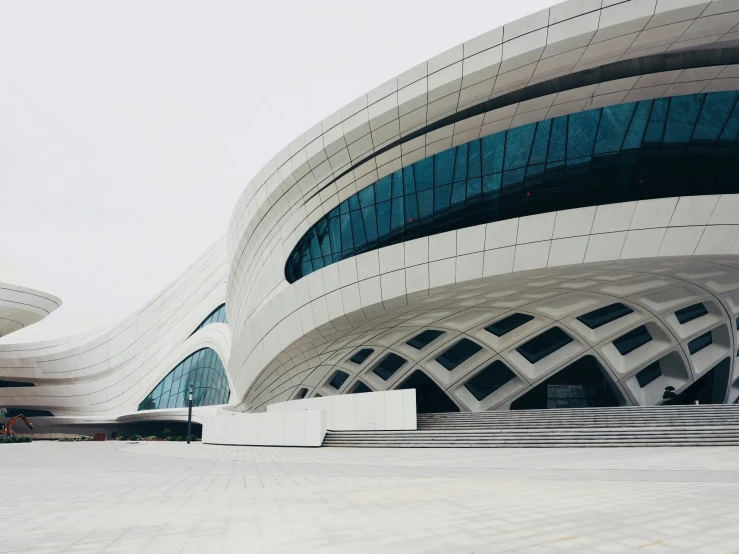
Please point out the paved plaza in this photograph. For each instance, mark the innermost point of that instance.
(171, 497)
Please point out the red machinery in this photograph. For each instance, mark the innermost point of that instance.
(6, 430)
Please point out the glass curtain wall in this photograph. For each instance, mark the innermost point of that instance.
(684, 145)
(204, 370)
(216, 316)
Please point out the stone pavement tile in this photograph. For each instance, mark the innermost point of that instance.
(166, 498)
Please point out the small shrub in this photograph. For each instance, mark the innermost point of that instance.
(14, 439)
(179, 438)
(166, 433)
(114, 435)
(135, 437)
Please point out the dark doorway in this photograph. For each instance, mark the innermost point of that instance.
(430, 398)
(709, 389)
(582, 384)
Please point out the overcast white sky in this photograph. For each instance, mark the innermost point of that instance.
(129, 129)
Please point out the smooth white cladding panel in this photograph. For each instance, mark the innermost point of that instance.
(106, 371)
(380, 411)
(288, 428)
(22, 302)
(652, 292)
(625, 232)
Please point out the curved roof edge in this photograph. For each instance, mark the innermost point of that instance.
(570, 37)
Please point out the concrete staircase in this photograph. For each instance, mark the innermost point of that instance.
(708, 425)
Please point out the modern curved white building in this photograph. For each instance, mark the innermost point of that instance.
(22, 302)
(544, 216)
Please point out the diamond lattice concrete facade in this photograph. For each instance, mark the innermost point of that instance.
(544, 216)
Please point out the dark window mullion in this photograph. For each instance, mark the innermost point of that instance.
(597, 129)
(531, 147)
(628, 126)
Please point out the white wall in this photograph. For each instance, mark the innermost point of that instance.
(296, 428)
(384, 411)
(351, 289)
(305, 422)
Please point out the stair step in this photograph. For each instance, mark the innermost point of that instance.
(710, 425)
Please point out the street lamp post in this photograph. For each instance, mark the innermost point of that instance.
(189, 413)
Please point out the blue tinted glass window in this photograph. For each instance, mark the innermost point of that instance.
(614, 122)
(459, 193)
(601, 316)
(713, 116)
(458, 354)
(656, 125)
(541, 143)
(518, 146)
(367, 196)
(490, 379)
(360, 238)
(474, 159)
(424, 173)
(682, 117)
(690, 313)
(493, 148)
(388, 366)
(635, 134)
(581, 133)
(204, 370)
(481, 181)
(411, 208)
(543, 345)
(359, 388)
(698, 344)
(444, 167)
(397, 214)
(382, 188)
(508, 324)
(370, 223)
(648, 374)
(460, 165)
(216, 316)
(491, 183)
(338, 379)
(425, 203)
(474, 187)
(403, 182)
(346, 232)
(424, 339)
(557, 142)
(383, 219)
(632, 340)
(441, 198)
(334, 232)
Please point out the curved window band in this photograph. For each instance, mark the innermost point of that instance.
(204, 370)
(216, 316)
(679, 146)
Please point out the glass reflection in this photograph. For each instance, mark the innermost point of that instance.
(204, 370)
(650, 149)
